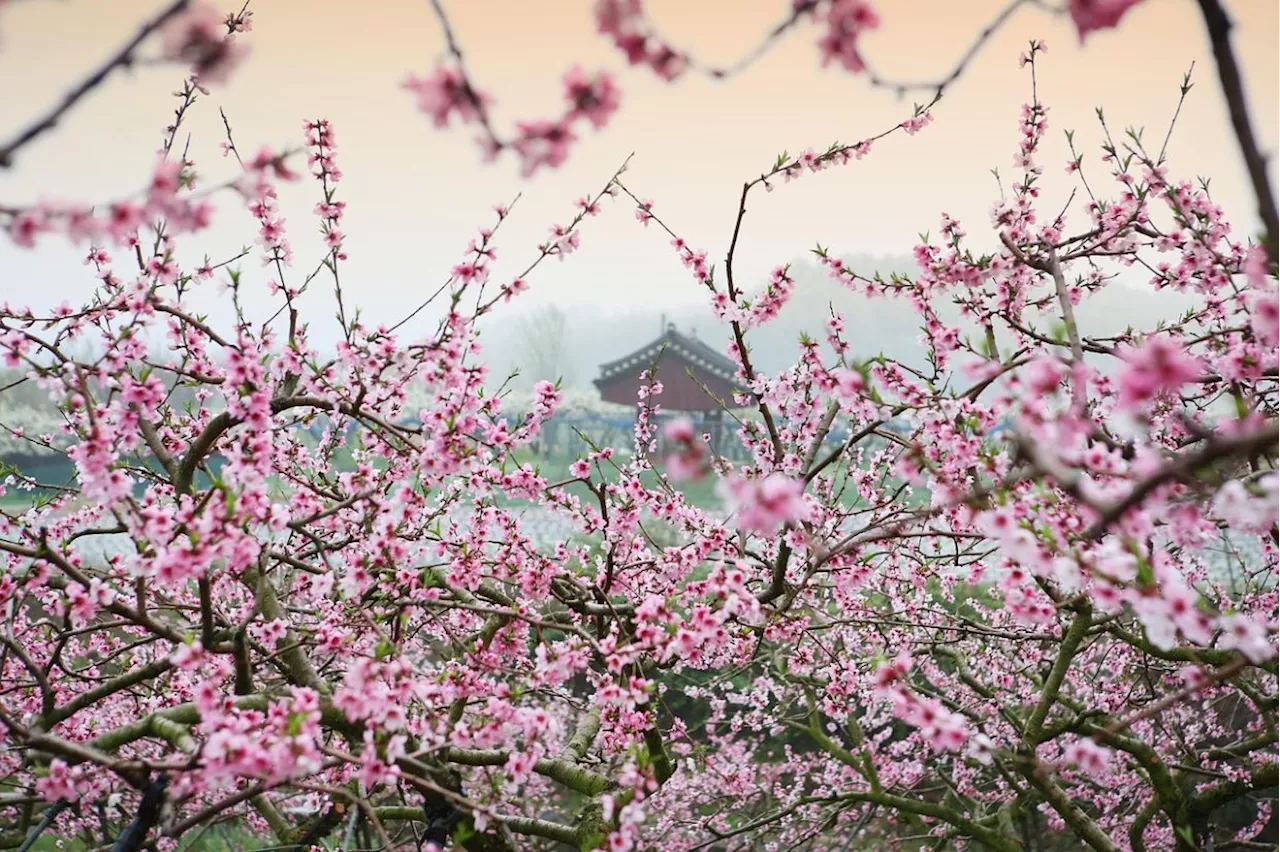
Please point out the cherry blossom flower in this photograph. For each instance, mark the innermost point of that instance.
(763, 505)
(446, 93)
(846, 21)
(1090, 15)
(1249, 636)
(199, 38)
(542, 143)
(594, 98)
(1089, 758)
(1160, 364)
(60, 783)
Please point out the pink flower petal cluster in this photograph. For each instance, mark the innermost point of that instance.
(623, 22)
(763, 504)
(1090, 15)
(846, 21)
(1160, 364)
(204, 38)
(687, 459)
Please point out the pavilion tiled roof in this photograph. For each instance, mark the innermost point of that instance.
(688, 348)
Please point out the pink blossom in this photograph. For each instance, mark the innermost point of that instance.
(1043, 376)
(1264, 317)
(687, 458)
(1089, 758)
(762, 505)
(644, 212)
(267, 159)
(849, 384)
(446, 93)
(199, 38)
(542, 143)
(1255, 268)
(679, 430)
(24, 227)
(1090, 15)
(594, 98)
(892, 672)
(1248, 635)
(914, 125)
(1161, 364)
(981, 748)
(846, 21)
(60, 783)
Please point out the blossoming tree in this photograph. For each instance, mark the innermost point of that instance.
(940, 633)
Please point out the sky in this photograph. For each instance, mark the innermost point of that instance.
(416, 195)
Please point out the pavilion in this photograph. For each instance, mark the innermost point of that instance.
(696, 379)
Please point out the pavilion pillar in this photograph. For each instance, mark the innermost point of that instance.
(714, 423)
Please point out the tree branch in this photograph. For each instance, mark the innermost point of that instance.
(123, 57)
(1219, 26)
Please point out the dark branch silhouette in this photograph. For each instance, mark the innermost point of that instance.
(1219, 26)
(135, 834)
(123, 57)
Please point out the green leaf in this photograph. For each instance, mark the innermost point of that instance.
(1146, 576)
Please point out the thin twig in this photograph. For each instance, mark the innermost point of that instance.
(122, 57)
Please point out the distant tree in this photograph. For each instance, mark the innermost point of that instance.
(544, 349)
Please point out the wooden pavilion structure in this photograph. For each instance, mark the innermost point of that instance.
(687, 369)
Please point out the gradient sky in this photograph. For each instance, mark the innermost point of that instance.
(416, 195)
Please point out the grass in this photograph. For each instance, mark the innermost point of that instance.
(223, 837)
(17, 501)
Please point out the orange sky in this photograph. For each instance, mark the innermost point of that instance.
(416, 195)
